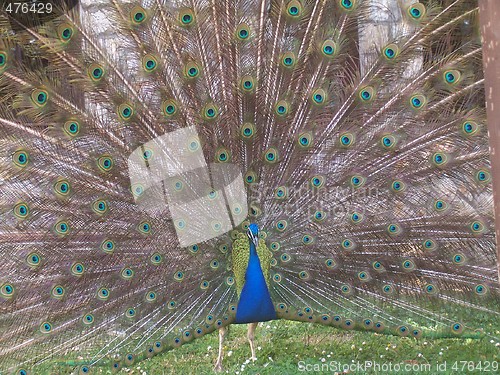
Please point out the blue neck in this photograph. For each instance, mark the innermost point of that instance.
(255, 303)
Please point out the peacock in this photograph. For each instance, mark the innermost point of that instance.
(169, 168)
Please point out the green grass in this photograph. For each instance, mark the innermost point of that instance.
(283, 344)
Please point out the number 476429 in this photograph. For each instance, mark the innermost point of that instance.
(18, 8)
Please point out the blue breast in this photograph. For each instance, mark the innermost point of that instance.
(255, 303)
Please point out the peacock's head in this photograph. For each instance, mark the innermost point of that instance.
(253, 233)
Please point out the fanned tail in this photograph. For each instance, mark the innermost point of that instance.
(366, 168)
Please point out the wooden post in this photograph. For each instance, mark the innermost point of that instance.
(489, 14)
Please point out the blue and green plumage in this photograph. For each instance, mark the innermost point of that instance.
(365, 165)
(254, 303)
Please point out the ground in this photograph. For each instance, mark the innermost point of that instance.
(297, 348)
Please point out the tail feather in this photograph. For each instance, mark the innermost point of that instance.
(365, 163)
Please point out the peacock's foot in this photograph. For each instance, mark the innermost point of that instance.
(218, 367)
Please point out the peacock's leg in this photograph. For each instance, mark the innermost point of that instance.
(222, 335)
(251, 336)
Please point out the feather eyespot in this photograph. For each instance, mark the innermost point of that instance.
(288, 60)
(346, 139)
(58, 292)
(21, 210)
(480, 289)
(144, 227)
(150, 296)
(282, 108)
(247, 84)
(330, 263)
(378, 266)
(477, 227)
(319, 97)
(470, 128)
(271, 155)
(305, 140)
(391, 51)
(210, 111)
(294, 9)
(3, 60)
(222, 155)
(388, 289)
(363, 276)
(7, 290)
(346, 289)
(393, 229)
(429, 245)
(307, 239)
(62, 228)
(357, 181)
(192, 70)
(418, 101)
(459, 259)
(130, 312)
(20, 158)
(108, 246)
(367, 94)
(138, 15)
(452, 77)
(72, 128)
(186, 17)
(149, 63)
(40, 97)
(457, 328)
(96, 72)
(347, 5)
(100, 207)
(483, 176)
(388, 142)
(440, 205)
(129, 359)
(103, 293)
(125, 111)
(45, 327)
(398, 186)
(77, 269)
(416, 11)
(285, 257)
(317, 182)
(356, 217)
(34, 260)
(319, 216)
(430, 289)
(65, 32)
(105, 163)
(242, 32)
(127, 273)
(88, 319)
(156, 259)
(329, 48)
(247, 130)
(281, 225)
(439, 159)
(281, 192)
(250, 177)
(348, 244)
(408, 265)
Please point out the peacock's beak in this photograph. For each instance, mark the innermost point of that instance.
(253, 237)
